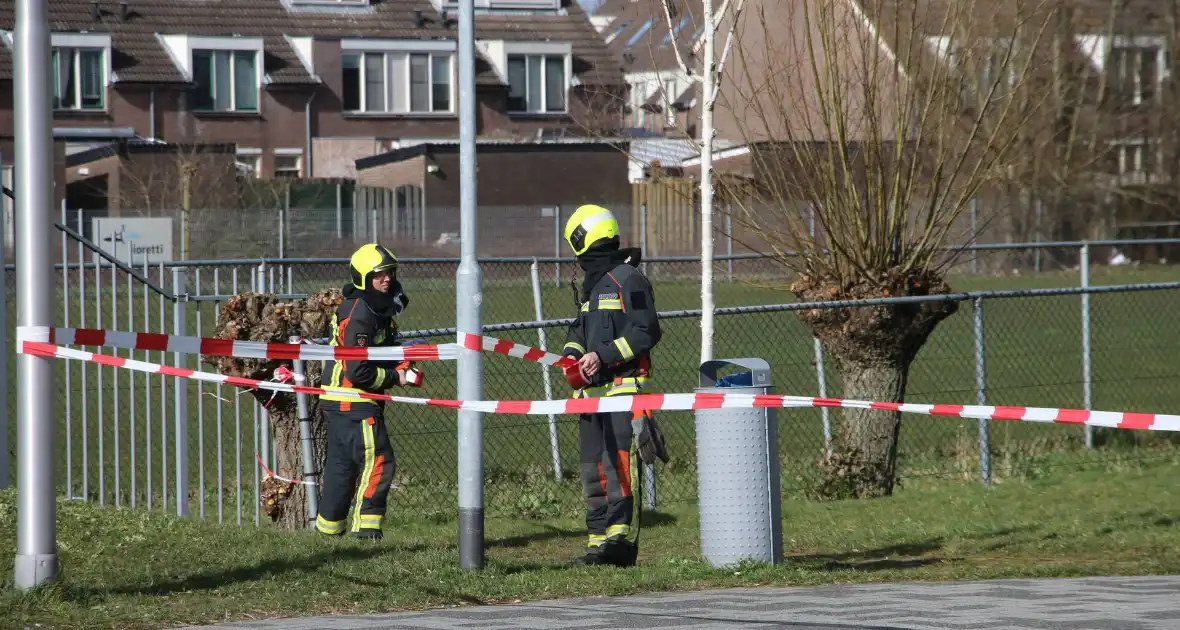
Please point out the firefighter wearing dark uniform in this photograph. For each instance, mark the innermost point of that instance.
(612, 339)
(359, 466)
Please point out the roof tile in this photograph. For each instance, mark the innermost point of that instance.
(139, 57)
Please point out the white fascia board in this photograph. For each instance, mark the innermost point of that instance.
(538, 48)
(723, 154)
(304, 48)
(493, 51)
(81, 40)
(399, 45)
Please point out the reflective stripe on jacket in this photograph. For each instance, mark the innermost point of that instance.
(618, 322)
(356, 324)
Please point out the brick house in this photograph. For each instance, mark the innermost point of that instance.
(661, 113)
(544, 182)
(1101, 147)
(304, 88)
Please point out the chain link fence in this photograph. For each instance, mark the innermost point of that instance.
(1113, 350)
(326, 220)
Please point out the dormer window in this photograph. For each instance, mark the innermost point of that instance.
(79, 78)
(226, 80)
(386, 77)
(226, 72)
(1137, 69)
(542, 5)
(538, 77)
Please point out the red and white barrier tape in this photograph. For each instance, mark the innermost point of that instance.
(269, 474)
(516, 350)
(156, 342)
(653, 402)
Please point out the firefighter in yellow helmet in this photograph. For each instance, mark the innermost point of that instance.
(359, 466)
(612, 339)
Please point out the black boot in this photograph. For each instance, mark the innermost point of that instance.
(619, 552)
(590, 558)
(368, 534)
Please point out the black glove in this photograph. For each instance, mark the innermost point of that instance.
(649, 440)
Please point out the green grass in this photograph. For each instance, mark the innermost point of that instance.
(1033, 358)
(128, 569)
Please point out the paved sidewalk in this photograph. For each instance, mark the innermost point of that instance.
(1109, 603)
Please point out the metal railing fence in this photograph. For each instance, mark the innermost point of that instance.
(146, 441)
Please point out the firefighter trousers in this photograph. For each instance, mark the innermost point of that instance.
(612, 477)
(358, 468)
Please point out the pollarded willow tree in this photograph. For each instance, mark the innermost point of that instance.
(267, 318)
(870, 127)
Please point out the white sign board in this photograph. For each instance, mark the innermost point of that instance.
(131, 239)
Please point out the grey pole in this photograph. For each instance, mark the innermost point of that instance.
(468, 314)
(305, 437)
(985, 468)
(36, 527)
(180, 395)
(4, 462)
(1087, 375)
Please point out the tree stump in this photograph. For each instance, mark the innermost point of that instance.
(264, 317)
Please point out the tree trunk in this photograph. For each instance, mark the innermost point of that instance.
(264, 317)
(285, 502)
(873, 348)
(864, 447)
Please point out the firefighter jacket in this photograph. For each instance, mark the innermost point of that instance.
(618, 321)
(363, 319)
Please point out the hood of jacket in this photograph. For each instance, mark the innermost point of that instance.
(383, 304)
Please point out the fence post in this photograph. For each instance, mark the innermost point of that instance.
(729, 242)
(643, 237)
(557, 246)
(981, 395)
(822, 384)
(1037, 251)
(820, 372)
(974, 205)
(263, 428)
(306, 439)
(283, 226)
(180, 394)
(339, 210)
(545, 376)
(1087, 389)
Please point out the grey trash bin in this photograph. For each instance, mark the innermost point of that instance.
(738, 472)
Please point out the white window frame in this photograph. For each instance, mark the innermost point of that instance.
(182, 48)
(399, 99)
(535, 5)
(89, 41)
(669, 88)
(250, 158)
(638, 98)
(1139, 45)
(233, 83)
(567, 64)
(297, 154)
(976, 84)
(103, 74)
(1139, 161)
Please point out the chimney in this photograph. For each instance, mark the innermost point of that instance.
(95, 12)
(123, 11)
